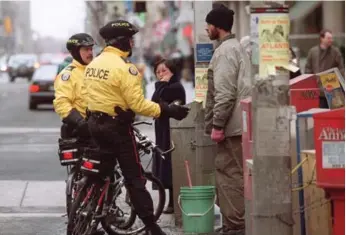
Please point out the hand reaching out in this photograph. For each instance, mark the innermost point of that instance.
(167, 76)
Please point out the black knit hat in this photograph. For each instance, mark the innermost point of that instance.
(221, 17)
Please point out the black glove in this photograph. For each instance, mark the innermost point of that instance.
(76, 120)
(174, 111)
(83, 129)
(127, 116)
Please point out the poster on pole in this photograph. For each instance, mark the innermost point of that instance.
(273, 30)
(201, 86)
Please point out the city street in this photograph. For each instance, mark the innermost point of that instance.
(32, 199)
(265, 78)
(31, 178)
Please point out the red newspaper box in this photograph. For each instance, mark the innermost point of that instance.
(329, 134)
(304, 92)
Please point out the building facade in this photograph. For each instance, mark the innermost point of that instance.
(15, 27)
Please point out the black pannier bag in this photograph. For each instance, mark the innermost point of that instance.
(69, 151)
(97, 163)
(91, 162)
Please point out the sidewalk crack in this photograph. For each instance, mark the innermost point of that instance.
(23, 196)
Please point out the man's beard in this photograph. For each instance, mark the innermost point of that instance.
(214, 35)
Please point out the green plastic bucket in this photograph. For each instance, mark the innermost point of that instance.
(197, 206)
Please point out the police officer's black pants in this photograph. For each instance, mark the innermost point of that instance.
(118, 139)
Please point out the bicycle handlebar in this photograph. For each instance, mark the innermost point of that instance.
(144, 141)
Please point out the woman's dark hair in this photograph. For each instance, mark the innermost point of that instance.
(169, 64)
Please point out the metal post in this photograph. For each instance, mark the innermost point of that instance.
(272, 199)
(188, 135)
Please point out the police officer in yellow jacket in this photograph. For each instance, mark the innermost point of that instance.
(112, 83)
(69, 102)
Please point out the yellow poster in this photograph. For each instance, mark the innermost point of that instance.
(332, 90)
(329, 81)
(201, 85)
(273, 41)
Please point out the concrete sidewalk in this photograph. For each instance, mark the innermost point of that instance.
(32, 197)
(26, 199)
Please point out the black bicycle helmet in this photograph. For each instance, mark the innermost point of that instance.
(118, 33)
(118, 28)
(79, 40)
(75, 42)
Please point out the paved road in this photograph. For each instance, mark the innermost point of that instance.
(28, 158)
(27, 138)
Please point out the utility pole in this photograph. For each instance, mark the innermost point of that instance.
(271, 175)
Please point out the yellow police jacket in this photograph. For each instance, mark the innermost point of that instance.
(112, 81)
(69, 90)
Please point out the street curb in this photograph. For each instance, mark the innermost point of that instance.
(29, 130)
(29, 209)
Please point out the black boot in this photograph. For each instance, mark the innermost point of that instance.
(154, 230)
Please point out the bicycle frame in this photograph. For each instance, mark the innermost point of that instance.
(106, 198)
(144, 139)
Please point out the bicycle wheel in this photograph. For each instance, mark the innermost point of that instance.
(81, 209)
(127, 216)
(132, 227)
(71, 188)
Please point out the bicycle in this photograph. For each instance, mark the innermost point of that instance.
(95, 201)
(70, 155)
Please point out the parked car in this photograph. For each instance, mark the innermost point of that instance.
(22, 65)
(41, 89)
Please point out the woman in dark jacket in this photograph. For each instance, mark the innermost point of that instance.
(167, 89)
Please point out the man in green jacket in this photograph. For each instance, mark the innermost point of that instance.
(67, 61)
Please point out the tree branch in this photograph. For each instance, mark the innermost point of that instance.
(92, 9)
(97, 12)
